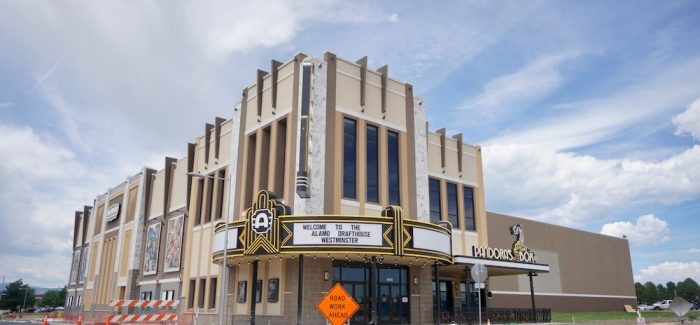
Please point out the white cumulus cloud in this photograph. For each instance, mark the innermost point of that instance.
(669, 271)
(689, 121)
(647, 230)
(540, 182)
(693, 250)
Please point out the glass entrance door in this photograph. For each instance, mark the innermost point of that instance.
(446, 301)
(355, 280)
(393, 297)
(393, 306)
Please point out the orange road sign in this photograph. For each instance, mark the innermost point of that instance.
(338, 306)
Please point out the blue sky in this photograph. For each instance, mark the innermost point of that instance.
(588, 112)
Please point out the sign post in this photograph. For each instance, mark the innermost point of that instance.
(337, 306)
(479, 275)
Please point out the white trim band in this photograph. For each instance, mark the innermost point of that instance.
(522, 293)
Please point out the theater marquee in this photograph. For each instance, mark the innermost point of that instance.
(270, 229)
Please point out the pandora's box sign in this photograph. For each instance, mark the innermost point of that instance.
(518, 252)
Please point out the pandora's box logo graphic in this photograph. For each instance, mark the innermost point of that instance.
(262, 221)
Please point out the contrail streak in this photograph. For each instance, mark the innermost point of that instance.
(45, 76)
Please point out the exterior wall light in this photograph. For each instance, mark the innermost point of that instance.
(415, 280)
(326, 276)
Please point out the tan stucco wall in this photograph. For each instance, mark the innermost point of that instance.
(585, 264)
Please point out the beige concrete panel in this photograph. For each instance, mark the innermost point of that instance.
(194, 265)
(178, 197)
(395, 86)
(124, 256)
(225, 144)
(285, 91)
(349, 98)
(267, 99)
(373, 210)
(457, 242)
(275, 271)
(156, 200)
(471, 238)
(91, 263)
(251, 116)
(434, 161)
(351, 209)
(396, 109)
(451, 159)
(470, 170)
(206, 252)
(373, 99)
(243, 275)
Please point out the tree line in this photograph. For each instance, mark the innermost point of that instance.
(649, 293)
(18, 295)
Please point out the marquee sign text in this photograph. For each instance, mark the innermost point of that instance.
(337, 233)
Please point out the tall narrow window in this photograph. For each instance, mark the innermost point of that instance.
(250, 172)
(350, 158)
(280, 156)
(469, 220)
(434, 192)
(212, 293)
(264, 160)
(393, 168)
(452, 214)
(372, 163)
(202, 285)
(221, 183)
(208, 216)
(200, 196)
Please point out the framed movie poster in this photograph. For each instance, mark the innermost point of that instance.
(173, 244)
(258, 291)
(83, 265)
(273, 290)
(74, 268)
(242, 291)
(150, 260)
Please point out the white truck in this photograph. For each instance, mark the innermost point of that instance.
(662, 305)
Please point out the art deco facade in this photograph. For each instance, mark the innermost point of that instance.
(328, 173)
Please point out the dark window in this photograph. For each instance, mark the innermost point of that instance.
(258, 291)
(250, 170)
(372, 163)
(452, 212)
(212, 293)
(221, 183)
(200, 197)
(393, 168)
(264, 160)
(210, 198)
(350, 158)
(202, 285)
(434, 189)
(469, 220)
(280, 156)
(190, 297)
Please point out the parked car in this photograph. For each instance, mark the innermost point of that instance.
(644, 307)
(662, 305)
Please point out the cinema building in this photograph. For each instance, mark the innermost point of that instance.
(328, 172)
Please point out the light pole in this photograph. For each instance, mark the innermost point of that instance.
(224, 297)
